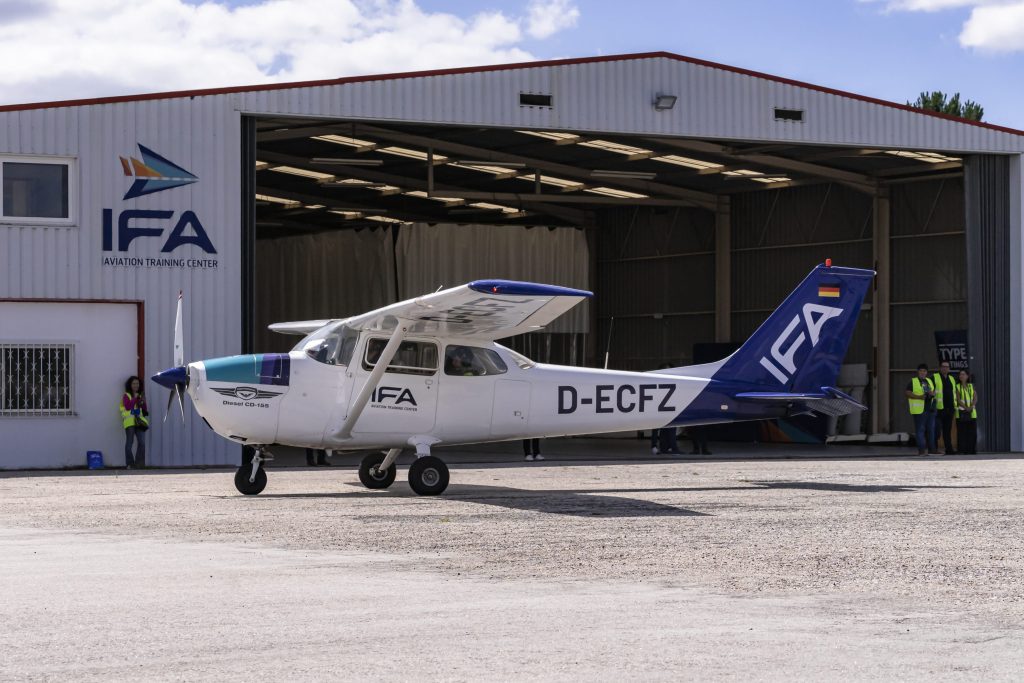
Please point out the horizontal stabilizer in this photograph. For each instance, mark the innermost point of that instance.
(299, 327)
(830, 401)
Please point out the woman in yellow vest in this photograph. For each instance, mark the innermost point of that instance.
(135, 420)
(966, 415)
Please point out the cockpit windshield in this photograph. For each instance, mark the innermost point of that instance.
(331, 344)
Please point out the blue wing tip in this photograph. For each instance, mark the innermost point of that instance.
(515, 288)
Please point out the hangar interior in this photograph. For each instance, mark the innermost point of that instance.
(683, 241)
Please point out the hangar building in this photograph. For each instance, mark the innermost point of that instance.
(690, 196)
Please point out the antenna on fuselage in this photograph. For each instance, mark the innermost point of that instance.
(608, 346)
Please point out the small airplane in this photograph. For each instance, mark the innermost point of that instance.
(428, 371)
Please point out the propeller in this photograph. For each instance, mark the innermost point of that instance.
(176, 378)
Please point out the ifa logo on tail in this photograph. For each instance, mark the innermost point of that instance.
(814, 317)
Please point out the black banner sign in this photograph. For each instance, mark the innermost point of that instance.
(952, 346)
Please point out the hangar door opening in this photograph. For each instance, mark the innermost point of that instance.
(684, 242)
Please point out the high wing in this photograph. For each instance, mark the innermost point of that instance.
(483, 309)
(299, 327)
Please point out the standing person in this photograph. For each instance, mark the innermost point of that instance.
(135, 420)
(921, 401)
(666, 439)
(966, 415)
(698, 434)
(945, 405)
(531, 449)
(316, 456)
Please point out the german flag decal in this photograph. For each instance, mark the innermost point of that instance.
(830, 291)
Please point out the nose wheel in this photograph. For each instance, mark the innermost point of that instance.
(375, 473)
(251, 478)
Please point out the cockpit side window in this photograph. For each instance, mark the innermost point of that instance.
(472, 361)
(331, 345)
(412, 357)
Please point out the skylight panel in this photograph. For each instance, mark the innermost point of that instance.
(305, 173)
(618, 148)
(562, 183)
(385, 219)
(927, 157)
(484, 168)
(348, 142)
(614, 192)
(686, 161)
(277, 200)
(740, 172)
(495, 207)
(772, 179)
(554, 136)
(411, 154)
(446, 200)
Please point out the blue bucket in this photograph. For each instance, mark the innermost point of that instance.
(94, 460)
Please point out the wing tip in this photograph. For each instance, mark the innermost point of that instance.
(517, 288)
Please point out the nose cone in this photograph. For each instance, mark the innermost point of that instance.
(172, 377)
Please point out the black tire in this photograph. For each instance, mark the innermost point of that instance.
(242, 480)
(428, 476)
(381, 480)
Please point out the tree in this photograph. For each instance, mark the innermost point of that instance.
(937, 101)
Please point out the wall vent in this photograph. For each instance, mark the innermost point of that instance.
(527, 99)
(789, 114)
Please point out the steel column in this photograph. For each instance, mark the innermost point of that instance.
(881, 410)
(723, 271)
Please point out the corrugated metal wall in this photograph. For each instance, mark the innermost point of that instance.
(988, 250)
(655, 276)
(66, 262)
(929, 279)
(616, 96)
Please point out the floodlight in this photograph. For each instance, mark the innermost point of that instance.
(664, 102)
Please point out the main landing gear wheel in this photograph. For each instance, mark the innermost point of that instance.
(373, 477)
(428, 476)
(243, 484)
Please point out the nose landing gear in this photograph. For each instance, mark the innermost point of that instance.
(251, 478)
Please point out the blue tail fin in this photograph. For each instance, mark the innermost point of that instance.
(800, 347)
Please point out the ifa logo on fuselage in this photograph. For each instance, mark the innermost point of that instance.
(784, 366)
(154, 173)
(393, 398)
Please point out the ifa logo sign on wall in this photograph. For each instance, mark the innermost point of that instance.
(161, 232)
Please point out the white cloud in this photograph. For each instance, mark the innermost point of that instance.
(998, 27)
(547, 17)
(63, 49)
(994, 25)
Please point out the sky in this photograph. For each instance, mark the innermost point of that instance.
(890, 49)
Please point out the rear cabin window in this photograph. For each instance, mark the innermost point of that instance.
(412, 357)
(472, 361)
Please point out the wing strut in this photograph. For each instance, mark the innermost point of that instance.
(359, 403)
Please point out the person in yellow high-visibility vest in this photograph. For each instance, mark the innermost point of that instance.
(944, 384)
(921, 401)
(135, 420)
(966, 415)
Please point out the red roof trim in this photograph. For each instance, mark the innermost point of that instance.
(499, 67)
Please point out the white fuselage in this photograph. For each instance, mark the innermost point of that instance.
(307, 402)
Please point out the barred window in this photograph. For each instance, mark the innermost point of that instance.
(37, 379)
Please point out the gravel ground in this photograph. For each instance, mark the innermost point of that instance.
(859, 568)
